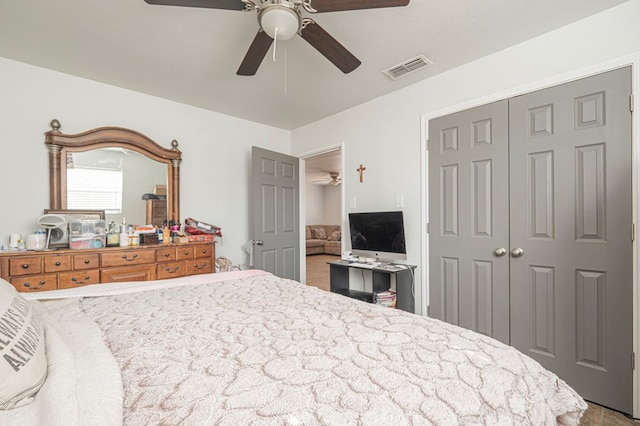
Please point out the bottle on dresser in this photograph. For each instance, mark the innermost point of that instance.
(113, 235)
(124, 236)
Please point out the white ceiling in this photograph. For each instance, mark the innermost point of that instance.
(318, 167)
(191, 55)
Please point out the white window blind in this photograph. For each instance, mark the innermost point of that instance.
(94, 189)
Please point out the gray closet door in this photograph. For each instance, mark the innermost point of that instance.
(571, 284)
(565, 167)
(469, 220)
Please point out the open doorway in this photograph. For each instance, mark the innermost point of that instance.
(323, 215)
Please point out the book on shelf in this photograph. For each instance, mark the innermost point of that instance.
(385, 298)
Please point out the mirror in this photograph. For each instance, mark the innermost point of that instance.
(149, 174)
(118, 181)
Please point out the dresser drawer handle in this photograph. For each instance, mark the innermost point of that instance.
(28, 285)
(195, 265)
(186, 252)
(86, 279)
(166, 268)
(25, 266)
(86, 262)
(204, 251)
(124, 256)
(58, 263)
(167, 255)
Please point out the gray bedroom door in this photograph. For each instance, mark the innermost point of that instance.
(571, 230)
(276, 200)
(469, 219)
(568, 221)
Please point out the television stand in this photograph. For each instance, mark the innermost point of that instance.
(381, 281)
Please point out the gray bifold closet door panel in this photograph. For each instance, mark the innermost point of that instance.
(469, 219)
(562, 287)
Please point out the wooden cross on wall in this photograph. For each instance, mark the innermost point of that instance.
(361, 169)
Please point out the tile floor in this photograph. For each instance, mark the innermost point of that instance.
(600, 416)
(318, 276)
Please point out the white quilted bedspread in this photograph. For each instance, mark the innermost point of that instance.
(263, 350)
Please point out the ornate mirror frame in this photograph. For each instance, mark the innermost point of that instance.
(59, 144)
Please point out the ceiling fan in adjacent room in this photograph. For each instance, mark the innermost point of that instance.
(282, 19)
(334, 179)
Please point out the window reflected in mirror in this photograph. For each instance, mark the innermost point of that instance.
(116, 180)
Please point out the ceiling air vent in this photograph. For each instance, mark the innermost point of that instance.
(407, 67)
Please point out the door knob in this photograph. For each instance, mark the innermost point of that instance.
(500, 251)
(258, 242)
(517, 252)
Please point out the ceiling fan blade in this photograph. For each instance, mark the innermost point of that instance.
(256, 53)
(211, 4)
(339, 5)
(316, 36)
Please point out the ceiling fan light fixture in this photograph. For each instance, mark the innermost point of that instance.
(279, 21)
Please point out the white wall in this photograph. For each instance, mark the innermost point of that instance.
(213, 189)
(314, 199)
(332, 211)
(322, 205)
(385, 134)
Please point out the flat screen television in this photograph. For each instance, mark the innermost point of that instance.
(378, 235)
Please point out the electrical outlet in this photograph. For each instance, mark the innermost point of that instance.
(352, 203)
(399, 201)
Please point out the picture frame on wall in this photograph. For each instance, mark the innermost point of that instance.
(60, 236)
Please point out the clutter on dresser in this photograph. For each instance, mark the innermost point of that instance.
(82, 232)
(37, 240)
(113, 234)
(15, 241)
(87, 233)
(199, 231)
(198, 227)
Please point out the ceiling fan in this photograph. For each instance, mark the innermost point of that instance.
(282, 19)
(334, 179)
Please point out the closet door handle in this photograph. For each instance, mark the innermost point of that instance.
(517, 252)
(500, 251)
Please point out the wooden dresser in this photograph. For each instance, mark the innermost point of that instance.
(60, 269)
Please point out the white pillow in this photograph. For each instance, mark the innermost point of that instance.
(23, 364)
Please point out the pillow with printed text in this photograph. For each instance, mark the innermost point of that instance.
(23, 364)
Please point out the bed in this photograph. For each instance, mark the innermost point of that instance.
(249, 348)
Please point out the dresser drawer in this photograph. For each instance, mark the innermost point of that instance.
(25, 266)
(128, 273)
(86, 261)
(57, 263)
(199, 266)
(79, 278)
(133, 257)
(171, 270)
(204, 250)
(166, 254)
(185, 252)
(36, 282)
